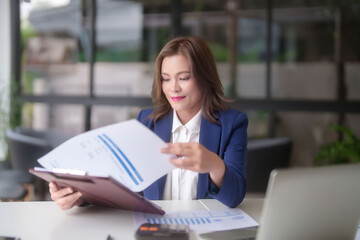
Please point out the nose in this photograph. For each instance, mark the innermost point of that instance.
(175, 87)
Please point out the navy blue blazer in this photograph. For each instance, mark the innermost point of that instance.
(228, 140)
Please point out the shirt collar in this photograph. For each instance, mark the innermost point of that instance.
(193, 125)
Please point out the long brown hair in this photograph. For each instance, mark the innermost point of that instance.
(203, 69)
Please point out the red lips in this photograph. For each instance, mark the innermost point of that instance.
(175, 99)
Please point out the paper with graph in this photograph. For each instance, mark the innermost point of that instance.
(128, 151)
(201, 221)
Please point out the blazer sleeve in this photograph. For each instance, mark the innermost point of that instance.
(143, 117)
(233, 188)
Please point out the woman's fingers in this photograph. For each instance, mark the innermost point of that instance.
(192, 156)
(79, 202)
(180, 149)
(65, 198)
(53, 187)
(61, 193)
(182, 162)
(69, 201)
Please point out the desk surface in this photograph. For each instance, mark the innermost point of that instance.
(45, 220)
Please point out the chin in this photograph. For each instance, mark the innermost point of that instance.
(177, 108)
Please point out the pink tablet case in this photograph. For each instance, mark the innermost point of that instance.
(103, 191)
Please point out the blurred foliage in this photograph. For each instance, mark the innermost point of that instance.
(258, 124)
(219, 51)
(28, 81)
(15, 105)
(252, 56)
(110, 55)
(27, 32)
(28, 115)
(253, 53)
(287, 56)
(4, 120)
(346, 150)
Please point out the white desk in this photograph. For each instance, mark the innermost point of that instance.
(44, 220)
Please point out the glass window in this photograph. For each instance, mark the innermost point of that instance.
(66, 118)
(55, 43)
(126, 53)
(258, 126)
(106, 115)
(352, 121)
(119, 27)
(308, 131)
(351, 50)
(303, 51)
(214, 21)
(352, 78)
(251, 67)
(4, 120)
(129, 36)
(315, 39)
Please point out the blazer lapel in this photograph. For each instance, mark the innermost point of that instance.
(210, 135)
(163, 129)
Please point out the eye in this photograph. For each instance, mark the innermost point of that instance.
(185, 78)
(165, 79)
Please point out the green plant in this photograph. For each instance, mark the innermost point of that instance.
(4, 122)
(346, 150)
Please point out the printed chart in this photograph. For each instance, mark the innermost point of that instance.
(202, 221)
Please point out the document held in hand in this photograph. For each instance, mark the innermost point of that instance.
(126, 154)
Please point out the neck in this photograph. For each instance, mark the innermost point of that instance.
(185, 117)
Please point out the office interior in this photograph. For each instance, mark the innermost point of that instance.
(69, 66)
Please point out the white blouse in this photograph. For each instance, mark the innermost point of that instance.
(181, 184)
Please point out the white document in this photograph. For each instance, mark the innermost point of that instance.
(201, 221)
(127, 151)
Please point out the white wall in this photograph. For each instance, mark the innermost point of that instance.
(4, 69)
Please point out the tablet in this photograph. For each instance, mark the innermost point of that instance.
(103, 191)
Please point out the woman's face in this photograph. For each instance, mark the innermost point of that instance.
(180, 87)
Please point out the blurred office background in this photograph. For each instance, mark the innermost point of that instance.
(73, 65)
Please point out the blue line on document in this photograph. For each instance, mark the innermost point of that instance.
(165, 221)
(187, 221)
(192, 220)
(148, 220)
(177, 222)
(208, 220)
(121, 162)
(171, 221)
(127, 160)
(203, 221)
(197, 220)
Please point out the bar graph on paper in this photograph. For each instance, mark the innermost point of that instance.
(201, 221)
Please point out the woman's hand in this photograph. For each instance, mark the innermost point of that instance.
(65, 198)
(194, 156)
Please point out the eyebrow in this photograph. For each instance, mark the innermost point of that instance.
(176, 74)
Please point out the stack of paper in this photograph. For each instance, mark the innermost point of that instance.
(128, 151)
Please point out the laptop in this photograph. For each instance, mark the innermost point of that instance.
(307, 204)
(312, 203)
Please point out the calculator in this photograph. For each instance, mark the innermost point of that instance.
(154, 231)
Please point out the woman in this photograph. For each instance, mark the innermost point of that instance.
(208, 139)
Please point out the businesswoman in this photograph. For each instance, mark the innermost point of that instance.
(208, 139)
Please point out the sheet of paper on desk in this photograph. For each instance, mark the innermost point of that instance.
(202, 221)
(127, 151)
